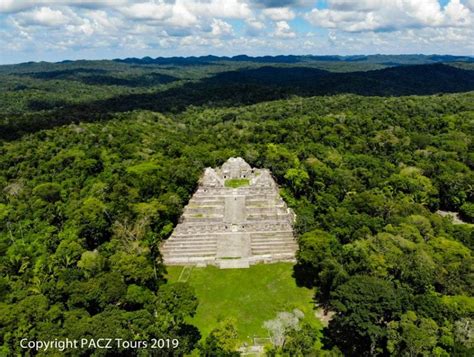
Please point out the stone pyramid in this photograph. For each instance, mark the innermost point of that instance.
(233, 227)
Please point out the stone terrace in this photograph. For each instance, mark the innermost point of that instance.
(233, 227)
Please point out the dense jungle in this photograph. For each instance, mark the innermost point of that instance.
(98, 159)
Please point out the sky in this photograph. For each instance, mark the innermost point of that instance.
(55, 30)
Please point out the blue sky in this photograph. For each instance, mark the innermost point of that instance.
(54, 30)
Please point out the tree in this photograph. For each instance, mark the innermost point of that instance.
(136, 268)
(467, 211)
(91, 263)
(222, 341)
(302, 341)
(96, 293)
(177, 300)
(50, 191)
(364, 307)
(317, 249)
(298, 179)
(412, 335)
(278, 328)
(411, 181)
(93, 222)
(464, 334)
(67, 253)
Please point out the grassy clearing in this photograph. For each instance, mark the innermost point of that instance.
(236, 183)
(250, 296)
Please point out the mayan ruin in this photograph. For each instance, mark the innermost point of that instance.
(236, 218)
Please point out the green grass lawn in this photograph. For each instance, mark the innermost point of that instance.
(250, 296)
(236, 183)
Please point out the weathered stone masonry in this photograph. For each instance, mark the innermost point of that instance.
(233, 227)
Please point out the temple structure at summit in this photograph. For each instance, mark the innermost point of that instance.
(235, 218)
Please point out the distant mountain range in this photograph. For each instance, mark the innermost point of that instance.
(291, 59)
(401, 80)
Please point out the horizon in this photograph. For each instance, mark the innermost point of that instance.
(58, 30)
(240, 55)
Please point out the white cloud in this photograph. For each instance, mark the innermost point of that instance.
(11, 6)
(185, 13)
(234, 26)
(458, 14)
(182, 16)
(255, 24)
(282, 3)
(148, 11)
(254, 27)
(43, 16)
(383, 15)
(283, 30)
(470, 4)
(221, 28)
(236, 9)
(279, 13)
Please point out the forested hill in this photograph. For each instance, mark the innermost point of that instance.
(380, 59)
(404, 80)
(38, 95)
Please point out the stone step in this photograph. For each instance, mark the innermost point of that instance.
(259, 211)
(269, 234)
(241, 263)
(195, 242)
(211, 196)
(272, 251)
(189, 241)
(184, 227)
(275, 243)
(276, 246)
(202, 235)
(207, 198)
(271, 240)
(287, 247)
(264, 256)
(266, 208)
(207, 237)
(212, 201)
(202, 218)
(204, 209)
(189, 255)
(265, 217)
(218, 195)
(257, 234)
(214, 239)
(262, 201)
(276, 237)
(195, 236)
(198, 261)
(195, 239)
(200, 253)
(199, 214)
(188, 246)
